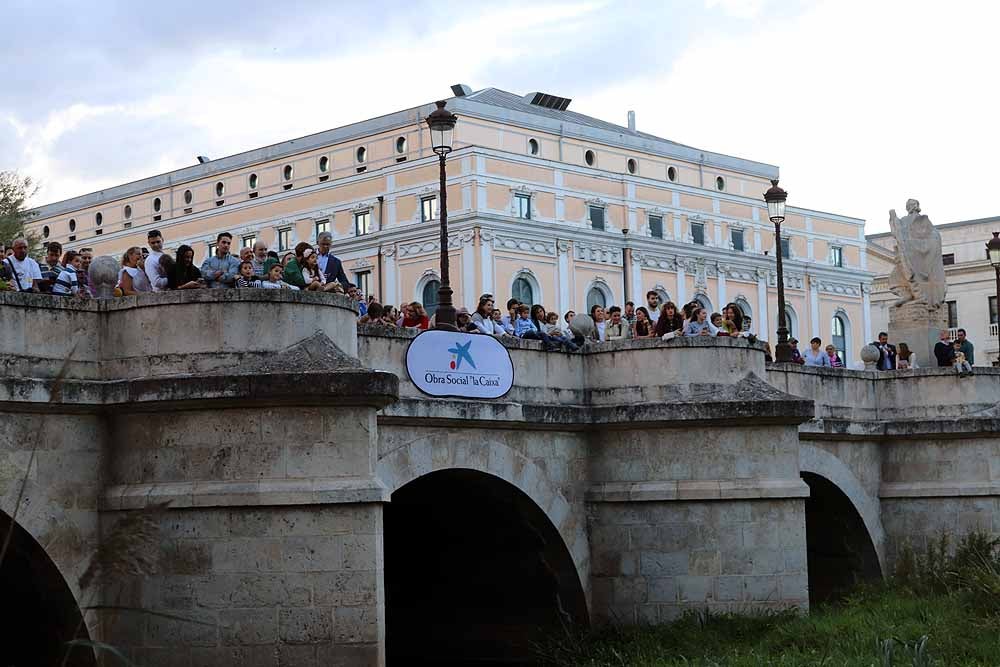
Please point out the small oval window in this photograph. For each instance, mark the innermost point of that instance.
(533, 146)
(252, 181)
(362, 154)
(72, 225)
(220, 189)
(720, 183)
(401, 145)
(631, 166)
(672, 173)
(287, 173)
(45, 232)
(157, 204)
(128, 212)
(324, 164)
(99, 218)
(188, 196)
(589, 158)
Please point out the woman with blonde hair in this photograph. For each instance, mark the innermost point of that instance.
(132, 278)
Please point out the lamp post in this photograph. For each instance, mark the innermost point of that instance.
(993, 254)
(442, 125)
(775, 198)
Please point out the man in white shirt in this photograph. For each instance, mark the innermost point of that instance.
(653, 305)
(157, 276)
(25, 272)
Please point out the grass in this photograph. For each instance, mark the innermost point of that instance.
(875, 628)
(942, 609)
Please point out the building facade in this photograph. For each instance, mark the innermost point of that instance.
(545, 204)
(971, 279)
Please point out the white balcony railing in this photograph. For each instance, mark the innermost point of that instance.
(953, 331)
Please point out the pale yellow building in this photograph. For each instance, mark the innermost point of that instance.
(545, 204)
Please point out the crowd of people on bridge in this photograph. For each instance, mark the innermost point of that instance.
(316, 268)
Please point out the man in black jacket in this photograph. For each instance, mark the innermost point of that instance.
(886, 353)
(944, 351)
(330, 265)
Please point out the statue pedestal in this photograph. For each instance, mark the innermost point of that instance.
(919, 327)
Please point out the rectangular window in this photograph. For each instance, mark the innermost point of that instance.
(284, 239)
(786, 248)
(836, 256)
(211, 249)
(248, 241)
(363, 280)
(428, 209)
(522, 204)
(698, 233)
(948, 259)
(656, 226)
(736, 236)
(952, 314)
(322, 226)
(362, 223)
(597, 217)
(993, 310)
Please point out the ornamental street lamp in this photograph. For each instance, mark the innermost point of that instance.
(993, 254)
(775, 198)
(442, 125)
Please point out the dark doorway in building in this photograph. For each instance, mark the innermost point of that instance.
(38, 614)
(840, 550)
(475, 574)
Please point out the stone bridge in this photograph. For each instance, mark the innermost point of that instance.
(261, 484)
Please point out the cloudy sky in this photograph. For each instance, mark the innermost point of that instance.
(862, 103)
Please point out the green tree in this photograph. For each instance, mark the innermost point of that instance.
(15, 191)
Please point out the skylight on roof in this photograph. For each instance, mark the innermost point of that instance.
(548, 101)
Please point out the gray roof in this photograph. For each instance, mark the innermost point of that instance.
(489, 103)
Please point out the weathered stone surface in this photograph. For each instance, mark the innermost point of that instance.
(670, 470)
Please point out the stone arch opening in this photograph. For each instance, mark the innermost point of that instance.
(475, 572)
(39, 613)
(840, 550)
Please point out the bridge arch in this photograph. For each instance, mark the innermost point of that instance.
(843, 526)
(479, 545)
(40, 613)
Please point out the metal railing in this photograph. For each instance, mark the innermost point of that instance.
(993, 330)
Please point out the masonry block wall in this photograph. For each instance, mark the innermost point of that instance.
(255, 471)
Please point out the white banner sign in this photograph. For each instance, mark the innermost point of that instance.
(446, 363)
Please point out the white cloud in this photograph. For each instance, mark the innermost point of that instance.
(861, 104)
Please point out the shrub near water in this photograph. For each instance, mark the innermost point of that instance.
(940, 609)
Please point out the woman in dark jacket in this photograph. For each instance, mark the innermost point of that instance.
(183, 274)
(669, 320)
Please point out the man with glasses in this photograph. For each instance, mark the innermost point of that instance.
(260, 258)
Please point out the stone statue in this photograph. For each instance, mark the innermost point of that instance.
(918, 275)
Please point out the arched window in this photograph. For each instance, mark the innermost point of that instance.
(838, 336)
(705, 302)
(791, 321)
(596, 297)
(746, 313)
(429, 296)
(521, 290)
